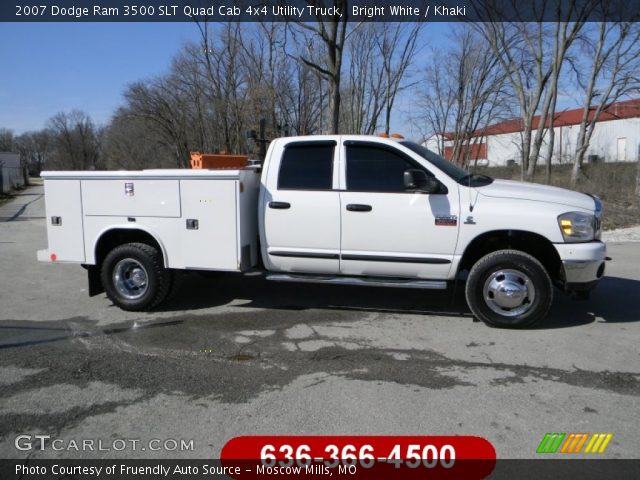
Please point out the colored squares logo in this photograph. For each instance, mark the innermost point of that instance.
(574, 443)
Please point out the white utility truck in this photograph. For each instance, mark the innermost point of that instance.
(337, 209)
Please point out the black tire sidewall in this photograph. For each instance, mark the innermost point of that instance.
(514, 261)
(144, 254)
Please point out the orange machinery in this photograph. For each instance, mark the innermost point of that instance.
(218, 161)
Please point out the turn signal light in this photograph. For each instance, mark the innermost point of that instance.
(566, 227)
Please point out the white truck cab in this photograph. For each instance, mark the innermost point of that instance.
(343, 209)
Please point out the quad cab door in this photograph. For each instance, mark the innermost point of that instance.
(388, 230)
(301, 208)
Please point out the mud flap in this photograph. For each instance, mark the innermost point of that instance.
(93, 277)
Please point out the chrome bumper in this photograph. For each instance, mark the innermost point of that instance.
(583, 263)
(576, 271)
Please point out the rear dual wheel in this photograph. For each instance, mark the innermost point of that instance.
(509, 289)
(134, 277)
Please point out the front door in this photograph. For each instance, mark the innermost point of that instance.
(302, 209)
(387, 230)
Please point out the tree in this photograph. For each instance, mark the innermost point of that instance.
(6, 140)
(35, 150)
(131, 142)
(435, 101)
(162, 105)
(463, 91)
(613, 62)
(378, 56)
(363, 93)
(332, 33)
(75, 141)
(397, 47)
(532, 56)
(525, 72)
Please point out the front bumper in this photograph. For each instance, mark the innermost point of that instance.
(582, 264)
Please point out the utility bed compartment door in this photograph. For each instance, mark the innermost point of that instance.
(64, 220)
(213, 242)
(131, 198)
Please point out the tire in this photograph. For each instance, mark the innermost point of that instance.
(509, 289)
(134, 277)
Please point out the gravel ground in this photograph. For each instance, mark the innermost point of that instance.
(631, 234)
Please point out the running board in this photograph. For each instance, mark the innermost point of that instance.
(360, 281)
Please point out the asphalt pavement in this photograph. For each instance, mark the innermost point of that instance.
(237, 355)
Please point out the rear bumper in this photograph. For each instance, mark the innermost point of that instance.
(582, 264)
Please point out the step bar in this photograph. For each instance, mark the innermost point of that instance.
(360, 281)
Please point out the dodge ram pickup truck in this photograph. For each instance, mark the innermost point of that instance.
(337, 209)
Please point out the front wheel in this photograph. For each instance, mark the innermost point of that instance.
(134, 277)
(509, 289)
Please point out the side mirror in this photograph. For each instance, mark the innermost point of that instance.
(419, 181)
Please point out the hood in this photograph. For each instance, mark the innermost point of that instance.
(537, 193)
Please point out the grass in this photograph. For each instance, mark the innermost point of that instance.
(614, 183)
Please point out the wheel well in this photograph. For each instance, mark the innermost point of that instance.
(119, 236)
(532, 243)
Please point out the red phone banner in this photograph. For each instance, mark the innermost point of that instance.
(360, 457)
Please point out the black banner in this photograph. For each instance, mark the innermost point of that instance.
(534, 469)
(310, 11)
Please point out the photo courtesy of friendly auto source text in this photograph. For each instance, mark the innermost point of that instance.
(305, 239)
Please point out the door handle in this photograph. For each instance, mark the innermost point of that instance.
(279, 205)
(357, 207)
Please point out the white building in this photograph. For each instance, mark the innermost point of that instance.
(616, 138)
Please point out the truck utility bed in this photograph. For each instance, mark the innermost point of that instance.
(203, 225)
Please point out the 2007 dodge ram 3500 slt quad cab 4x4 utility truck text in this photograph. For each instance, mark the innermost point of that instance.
(342, 209)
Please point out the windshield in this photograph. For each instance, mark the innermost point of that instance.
(447, 167)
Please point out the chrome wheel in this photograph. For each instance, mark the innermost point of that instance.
(509, 292)
(130, 278)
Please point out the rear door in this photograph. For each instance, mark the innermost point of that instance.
(301, 208)
(387, 230)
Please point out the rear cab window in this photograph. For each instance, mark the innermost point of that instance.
(307, 166)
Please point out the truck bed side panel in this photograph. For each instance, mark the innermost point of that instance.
(131, 197)
(248, 224)
(213, 244)
(63, 201)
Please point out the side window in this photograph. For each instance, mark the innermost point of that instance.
(306, 167)
(371, 169)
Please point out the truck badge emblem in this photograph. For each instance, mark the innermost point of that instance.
(446, 220)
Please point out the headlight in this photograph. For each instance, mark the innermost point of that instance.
(577, 226)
